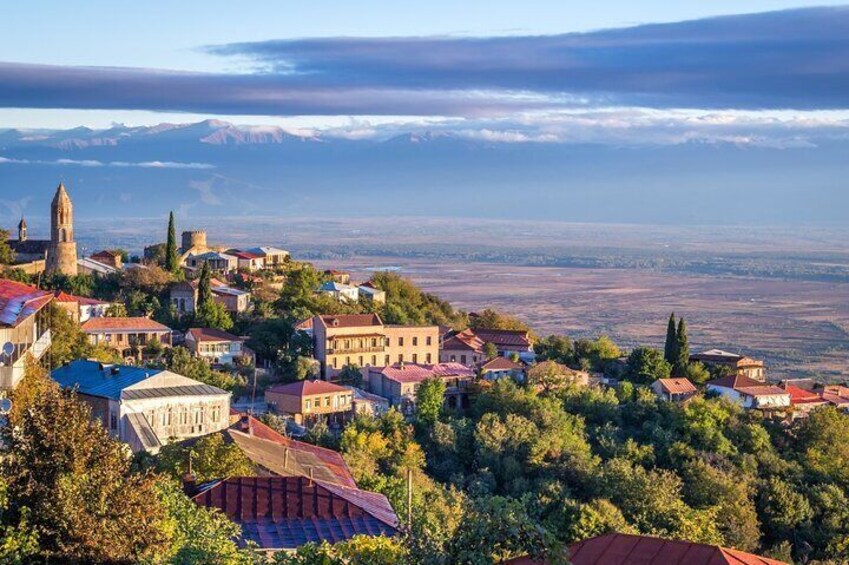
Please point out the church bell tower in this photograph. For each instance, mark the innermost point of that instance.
(62, 254)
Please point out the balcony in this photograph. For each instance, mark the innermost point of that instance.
(12, 370)
(344, 350)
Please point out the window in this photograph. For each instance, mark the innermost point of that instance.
(119, 338)
(347, 360)
(361, 361)
(388, 342)
(427, 358)
(327, 401)
(415, 341)
(415, 358)
(216, 413)
(463, 359)
(400, 342)
(427, 340)
(334, 363)
(386, 360)
(335, 402)
(453, 358)
(307, 405)
(113, 421)
(374, 342)
(400, 357)
(374, 360)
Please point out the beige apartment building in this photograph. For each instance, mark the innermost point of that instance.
(364, 340)
(307, 401)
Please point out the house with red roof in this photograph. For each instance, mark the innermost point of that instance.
(128, 335)
(836, 395)
(80, 308)
(750, 393)
(24, 329)
(627, 549)
(218, 347)
(399, 382)
(284, 513)
(501, 368)
(674, 390)
(307, 401)
(467, 346)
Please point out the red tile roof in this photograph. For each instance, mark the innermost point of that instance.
(624, 549)
(212, 335)
(19, 301)
(287, 512)
(503, 338)
(64, 297)
(138, 324)
(500, 364)
(837, 395)
(802, 396)
(747, 386)
(307, 388)
(351, 320)
(677, 386)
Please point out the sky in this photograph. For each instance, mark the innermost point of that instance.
(501, 69)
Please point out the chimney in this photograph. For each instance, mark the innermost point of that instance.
(189, 479)
(245, 423)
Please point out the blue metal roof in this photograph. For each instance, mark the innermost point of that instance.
(98, 379)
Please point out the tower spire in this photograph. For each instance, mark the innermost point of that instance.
(62, 254)
(22, 229)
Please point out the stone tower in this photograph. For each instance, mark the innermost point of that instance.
(22, 229)
(62, 253)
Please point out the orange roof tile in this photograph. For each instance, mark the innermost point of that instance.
(138, 324)
(307, 388)
(677, 386)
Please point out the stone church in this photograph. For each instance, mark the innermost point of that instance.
(60, 251)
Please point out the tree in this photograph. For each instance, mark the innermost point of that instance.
(204, 286)
(645, 365)
(179, 360)
(351, 375)
(211, 457)
(823, 445)
(783, 508)
(670, 348)
(172, 261)
(697, 373)
(7, 254)
(429, 399)
(493, 320)
(359, 550)
(69, 342)
(76, 489)
(213, 314)
(682, 349)
(554, 348)
(490, 350)
(35, 384)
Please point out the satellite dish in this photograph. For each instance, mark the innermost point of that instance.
(8, 348)
(5, 405)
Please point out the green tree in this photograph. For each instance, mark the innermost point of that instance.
(211, 457)
(490, 350)
(76, 489)
(555, 348)
(682, 349)
(204, 286)
(351, 375)
(172, 261)
(69, 342)
(645, 365)
(429, 399)
(7, 255)
(670, 348)
(783, 508)
(212, 314)
(823, 445)
(179, 360)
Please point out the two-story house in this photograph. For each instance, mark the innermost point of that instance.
(127, 336)
(467, 346)
(218, 347)
(24, 329)
(736, 364)
(144, 407)
(399, 383)
(750, 393)
(307, 401)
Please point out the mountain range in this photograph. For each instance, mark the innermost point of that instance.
(215, 168)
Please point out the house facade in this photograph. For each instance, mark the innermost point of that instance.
(750, 393)
(399, 383)
(218, 347)
(467, 346)
(126, 334)
(737, 364)
(24, 329)
(674, 390)
(307, 401)
(184, 296)
(502, 368)
(364, 340)
(146, 408)
(339, 291)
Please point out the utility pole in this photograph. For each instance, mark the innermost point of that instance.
(410, 499)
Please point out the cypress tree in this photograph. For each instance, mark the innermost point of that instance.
(172, 263)
(682, 349)
(204, 285)
(670, 352)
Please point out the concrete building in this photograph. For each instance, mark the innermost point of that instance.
(399, 383)
(341, 277)
(184, 296)
(80, 308)
(218, 262)
(146, 408)
(737, 364)
(750, 393)
(364, 340)
(24, 326)
(62, 253)
(341, 292)
(126, 334)
(371, 293)
(307, 401)
(502, 368)
(218, 347)
(109, 258)
(271, 256)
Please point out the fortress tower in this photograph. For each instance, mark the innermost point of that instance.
(194, 240)
(62, 253)
(22, 230)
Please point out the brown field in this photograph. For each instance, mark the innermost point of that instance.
(800, 327)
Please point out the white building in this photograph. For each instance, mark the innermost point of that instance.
(341, 292)
(216, 346)
(146, 408)
(750, 393)
(24, 329)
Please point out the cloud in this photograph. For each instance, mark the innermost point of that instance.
(796, 59)
(94, 163)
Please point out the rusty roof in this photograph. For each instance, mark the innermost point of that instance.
(677, 386)
(19, 301)
(626, 549)
(350, 320)
(211, 335)
(307, 388)
(288, 512)
(135, 324)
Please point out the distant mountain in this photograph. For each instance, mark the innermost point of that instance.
(214, 168)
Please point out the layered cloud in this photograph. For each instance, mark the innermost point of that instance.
(96, 163)
(797, 59)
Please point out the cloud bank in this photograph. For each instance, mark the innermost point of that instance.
(796, 59)
(96, 163)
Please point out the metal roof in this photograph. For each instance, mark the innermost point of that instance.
(96, 379)
(161, 392)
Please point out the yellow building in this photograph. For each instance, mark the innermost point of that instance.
(365, 341)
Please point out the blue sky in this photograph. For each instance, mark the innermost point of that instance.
(64, 64)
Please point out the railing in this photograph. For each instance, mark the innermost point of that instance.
(341, 350)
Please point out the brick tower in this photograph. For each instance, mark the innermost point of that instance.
(62, 253)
